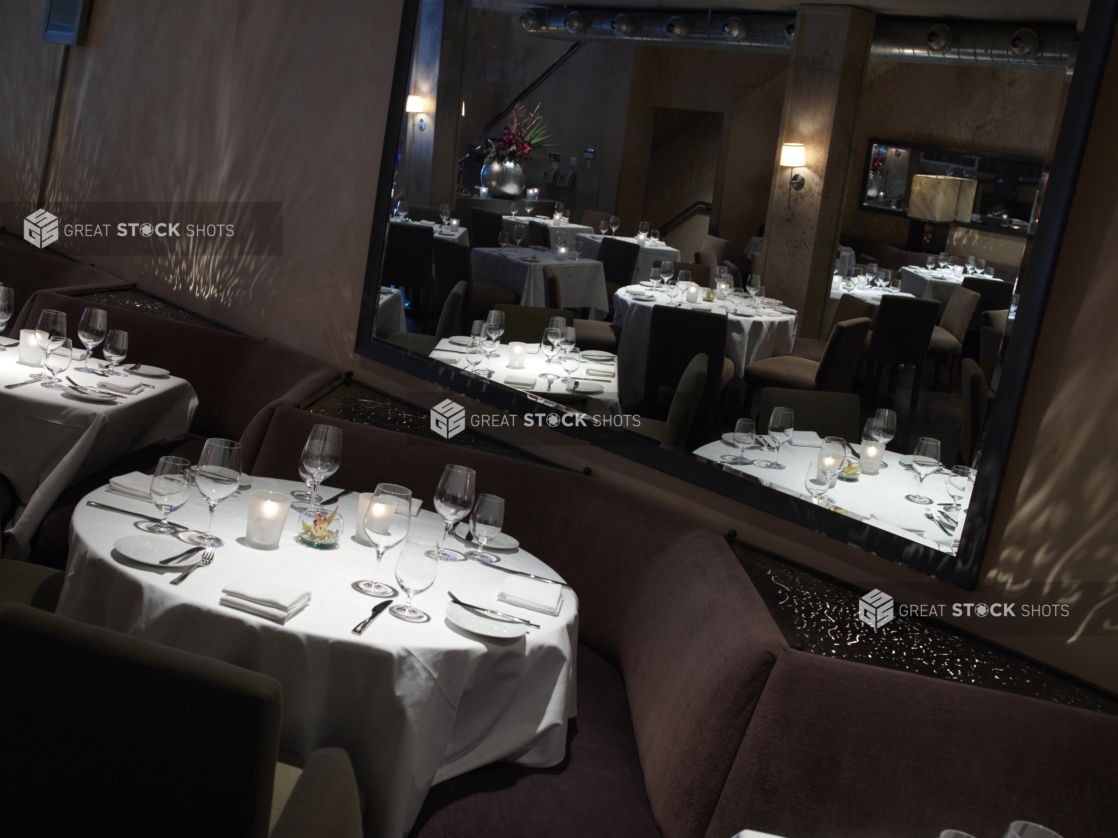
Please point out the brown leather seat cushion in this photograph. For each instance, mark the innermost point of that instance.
(944, 341)
(810, 349)
(598, 789)
(785, 371)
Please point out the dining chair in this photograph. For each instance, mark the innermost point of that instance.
(539, 235)
(672, 432)
(900, 336)
(422, 213)
(409, 264)
(450, 323)
(140, 738)
(948, 336)
(996, 295)
(485, 228)
(833, 372)
(545, 208)
(675, 336)
(828, 414)
(715, 245)
(735, 271)
(29, 584)
(994, 324)
(976, 396)
(593, 218)
(707, 258)
(454, 264)
(849, 308)
(619, 263)
(527, 323)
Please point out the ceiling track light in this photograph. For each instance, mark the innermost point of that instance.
(621, 25)
(733, 28)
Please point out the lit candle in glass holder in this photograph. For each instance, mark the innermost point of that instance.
(533, 194)
(454, 224)
(563, 252)
(517, 352)
(378, 517)
(267, 513)
(692, 293)
(642, 238)
(872, 452)
(30, 352)
(483, 191)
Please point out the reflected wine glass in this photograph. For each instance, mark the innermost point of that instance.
(217, 477)
(603, 227)
(815, 484)
(494, 328)
(115, 350)
(92, 329)
(170, 489)
(570, 362)
(931, 263)
(402, 210)
(386, 523)
(474, 358)
(518, 235)
(52, 324)
(444, 213)
(614, 223)
(925, 460)
(304, 498)
(415, 572)
(832, 456)
(959, 483)
(643, 228)
(744, 431)
(454, 498)
(654, 235)
(485, 525)
(781, 425)
(56, 361)
(503, 239)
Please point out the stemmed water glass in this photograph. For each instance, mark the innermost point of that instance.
(941, 260)
(603, 227)
(115, 350)
(485, 525)
(832, 457)
(958, 483)
(781, 424)
(518, 235)
(91, 331)
(322, 455)
(474, 358)
(57, 360)
(386, 523)
(614, 223)
(477, 333)
(654, 278)
(931, 263)
(307, 497)
(744, 431)
(415, 572)
(970, 265)
(503, 239)
(643, 228)
(567, 342)
(672, 289)
(654, 235)
(980, 267)
(52, 324)
(570, 362)
(494, 328)
(683, 280)
(217, 477)
(884, 428)
(7, 306)
(550, 346)
(402, 210)
(666, 271)
(815, 482)
(925, 460)
(444, 213)
(454, 498)
(170, 489)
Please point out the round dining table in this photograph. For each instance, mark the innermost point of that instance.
(412, 703)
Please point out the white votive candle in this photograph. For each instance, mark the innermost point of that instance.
(483, 191)
(692, 293)
(642, 238)
(563, 252)
(533, 194)
(517, 353)
(872, 452)
(454, 224)
(379, 515)
(30, 352)
(267, 513)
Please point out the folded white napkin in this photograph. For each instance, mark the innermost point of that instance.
(806, 439)
(528, 593)
(124, 389)
(135, 485)
(521, 381)
(275, 598)
(600, 373)
(897, 521)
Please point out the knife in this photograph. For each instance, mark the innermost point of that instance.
(364, 624)
(526, 575)
(180, 556)
(336, 497)
(20, 384)
(852, 454)
(97, 505)
(499, 614)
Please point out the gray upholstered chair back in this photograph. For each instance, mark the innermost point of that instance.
(115, 729)
(485, 227)
(685, 404)
(996, 319)
(959, 311)
(840, 357)
(422, 213)
(903, 330)
(996, 295)
(976, 393)
(850, 308)
(527, 323)
(450, 320)
(538, 235)
(408, 257)
(619, 260)
(539, 207)
(719, 246)
(592, 218)
(828, 414)
(675, 337)
(452, 265)
(708, 258)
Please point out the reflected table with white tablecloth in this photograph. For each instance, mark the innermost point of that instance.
(933, 285)
(458, 236)
(583, 282)
(751, 336)
(390, 312)
(650, 252)
(870, 295)
(554, 228)
(411, 703)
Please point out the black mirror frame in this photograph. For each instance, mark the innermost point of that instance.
(962, 569)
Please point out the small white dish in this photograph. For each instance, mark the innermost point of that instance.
(147, 371)
(87, 395)
(643, 298)
(152, 549)
(502, 541)
(475, 623)
(646, 283)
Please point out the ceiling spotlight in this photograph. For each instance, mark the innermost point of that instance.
(574, 23)
(939, 38)
(621, 25)
(676, 27)
(733, 28)
(1024, 43)
(530, 21)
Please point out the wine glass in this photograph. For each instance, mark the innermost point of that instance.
(744, 431)
(7, 306)
(170, 489)
(577, 247)
(958, 484)
(386, 523)
(115, 350)
(666, 271)
(518, 235)
(989, 272)
(970, 265)
(503, 239)
(1024, 829)
(304, 498)
(885, 428)
(570, 362)
(815, 484)
(643, 228)
(603, 227)
(91, 331)
(832, 456)
(402, 210)
(415, 572)
(52, 324)
(217, 477)
(931, 263)
(672, 290)
(474, 358)
(871, 269)
(322, 454)
(614, 223)
(454, 498)
(683, 280)
(925, 460)
(444, 213)
(552, 336)
(494, 328)
(781, 424)
(941, 260)
(485, 525)
(654, 278)
(759, 298)
(654, 235)
(57, 360)
(569, 339)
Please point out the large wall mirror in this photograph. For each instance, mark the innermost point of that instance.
(571, 222)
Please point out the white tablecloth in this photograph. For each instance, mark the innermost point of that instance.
(583, 282)
(508, 222)
(881, 494)
(748, 339)
(49, 440)
(390, 312)
(412, 703)
(872, 296)
(649, 253)
(441, 232)
(934, 285)
(535, 365)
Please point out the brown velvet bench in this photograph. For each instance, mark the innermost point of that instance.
(695, 718)
(239, 382)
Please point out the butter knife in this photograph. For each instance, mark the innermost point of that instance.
(498, 614)
(364, 624)
(20, 384)
(526, 575)
(97, 505)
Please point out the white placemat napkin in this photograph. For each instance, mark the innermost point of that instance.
(520, 381)
(134, 485)
(275, 598)
(125, 389)
(896, 521)
(528, 593)
(806, 439)
(600, 373)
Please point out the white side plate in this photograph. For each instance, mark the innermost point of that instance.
(475, 623)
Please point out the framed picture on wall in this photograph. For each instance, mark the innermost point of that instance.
(549, 174)
(565, 179)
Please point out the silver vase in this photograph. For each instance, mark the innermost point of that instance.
(505, 180)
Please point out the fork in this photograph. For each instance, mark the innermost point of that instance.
(942, 526)
(207, 558)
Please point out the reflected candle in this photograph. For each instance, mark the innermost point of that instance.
(533, 194)
(454, 225)
(517, 352)
(563, 251)
(267, 513)
(30, 352)
(483, 191)
(872, 452)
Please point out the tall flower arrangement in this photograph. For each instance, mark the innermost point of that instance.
(524, 135)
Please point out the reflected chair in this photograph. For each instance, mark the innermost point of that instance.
(707, 258)
(736, 271)
(485, 228)
(901, 335)
(408, 264)
(539, 235)
(828, 414)
(527, 323)
(593, 218)
(994, 324)
(619, 263)
(715, 245)
(700, 274)
(116, 721)
(833, 372)
(589, 334)
(450, 322)
(849, 308)
(996, 295)
(453, 264)
(948, 336)
(976, 395)
(672, 433)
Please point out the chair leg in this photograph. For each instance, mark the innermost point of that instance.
(916, 385)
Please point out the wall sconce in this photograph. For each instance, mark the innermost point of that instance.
(793, 156)
(415, 105)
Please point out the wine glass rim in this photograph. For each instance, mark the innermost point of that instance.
(489, 497)
(392, 489)
(174, 461)
(463, 469)
(222, 443)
